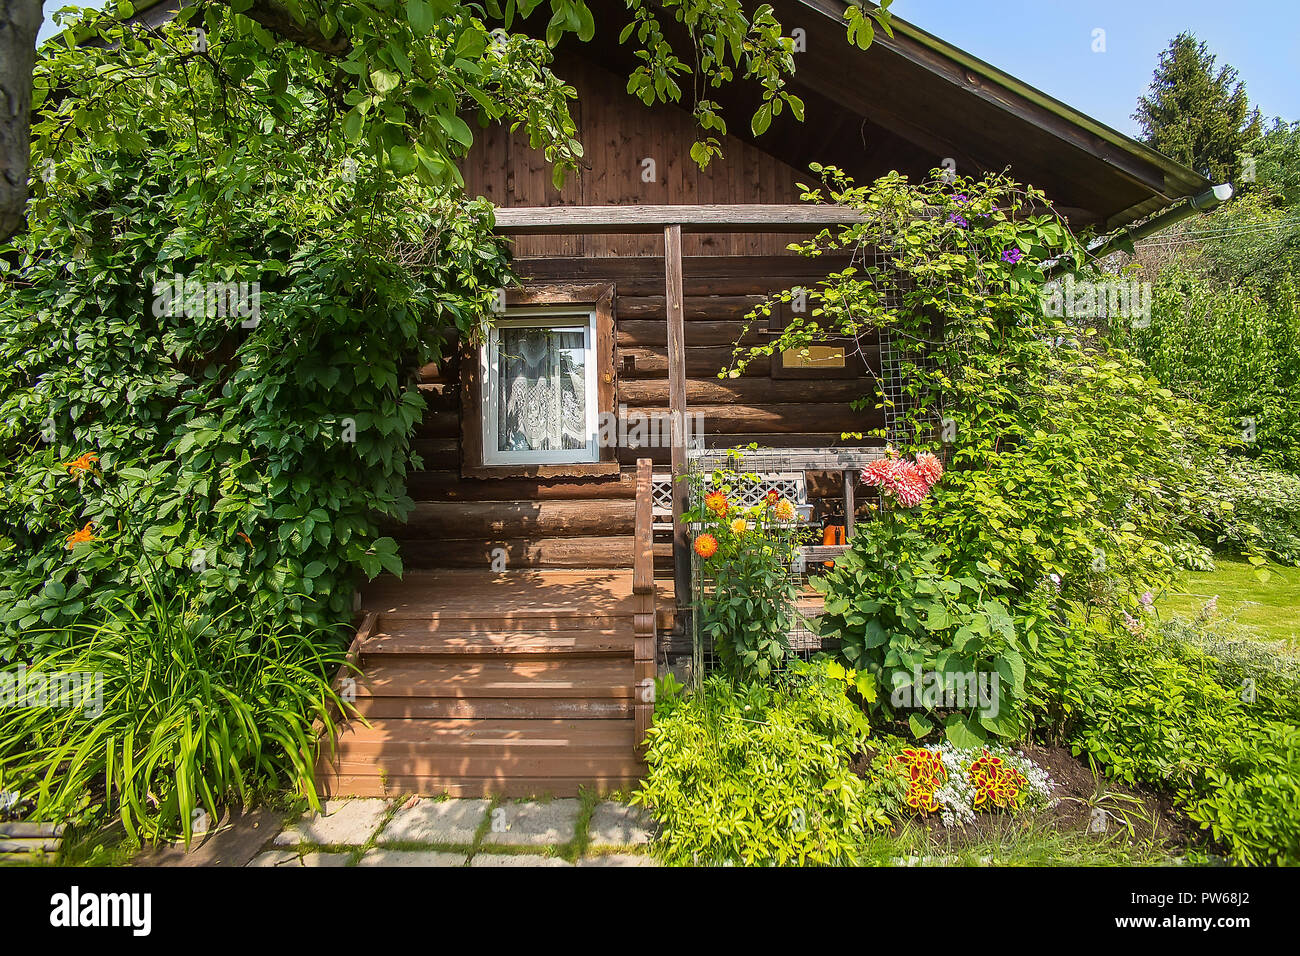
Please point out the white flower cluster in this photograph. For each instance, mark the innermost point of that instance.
(956, 797)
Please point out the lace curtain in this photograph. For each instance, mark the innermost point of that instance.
(541, 390)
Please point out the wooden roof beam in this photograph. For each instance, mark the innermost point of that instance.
(635, 220)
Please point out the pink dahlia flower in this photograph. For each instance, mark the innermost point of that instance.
(877, 473)
(909, 485)
(930, 467)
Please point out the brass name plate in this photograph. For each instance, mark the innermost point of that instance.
(814, 356)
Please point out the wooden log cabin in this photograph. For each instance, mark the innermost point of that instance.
(514, 655)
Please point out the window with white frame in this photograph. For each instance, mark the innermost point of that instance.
(540, 399)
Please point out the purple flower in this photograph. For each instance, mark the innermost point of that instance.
(1146, 598)
(958, 220)
(1011, 255)
(961, 199)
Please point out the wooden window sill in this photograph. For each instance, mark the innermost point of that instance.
(593, 469)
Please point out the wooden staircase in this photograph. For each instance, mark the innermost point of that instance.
(474, 682)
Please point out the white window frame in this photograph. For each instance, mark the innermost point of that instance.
(548, 317)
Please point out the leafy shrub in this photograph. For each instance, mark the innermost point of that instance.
(1165, 714)
(1065, 456)
(273, 448)
(191, 714)
(1234, 348)
(1251, 799)
(1267, 674)
(923, 634)
(760, 773)
(747, 605)
(1254, 508)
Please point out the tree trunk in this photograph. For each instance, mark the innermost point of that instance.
(20, 20)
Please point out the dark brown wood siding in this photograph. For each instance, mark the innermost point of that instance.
(618, 134)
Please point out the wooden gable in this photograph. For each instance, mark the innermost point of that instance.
(619, 136)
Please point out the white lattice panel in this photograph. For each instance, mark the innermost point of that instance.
(788, 484)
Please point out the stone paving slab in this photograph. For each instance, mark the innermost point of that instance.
(516, 859)
(343, 822)
(533, 824)
(411, 858)
(613, 824)
(436, 821)
(618, 859)
(291, 858)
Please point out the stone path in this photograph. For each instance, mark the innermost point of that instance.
(428, 831)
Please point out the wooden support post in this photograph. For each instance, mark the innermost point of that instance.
(849, 506)
(674, 285)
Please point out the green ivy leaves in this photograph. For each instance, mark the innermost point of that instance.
(274, 451)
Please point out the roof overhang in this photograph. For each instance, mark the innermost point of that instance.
(991, 89)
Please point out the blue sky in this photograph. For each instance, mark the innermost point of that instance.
(1048, 44)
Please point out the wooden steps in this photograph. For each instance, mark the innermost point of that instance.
(409, 644)
(474, 682)
(497, 678)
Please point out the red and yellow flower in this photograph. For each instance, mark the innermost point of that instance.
(717, 502)
(996, 782)
(926, 774)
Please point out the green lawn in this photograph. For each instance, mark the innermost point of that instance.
(1270, 609)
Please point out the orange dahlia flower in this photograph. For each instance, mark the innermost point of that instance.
(706, 546)
(716, 502)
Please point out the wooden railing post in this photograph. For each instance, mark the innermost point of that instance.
(674, 286)
(850, 506)
(643, 590)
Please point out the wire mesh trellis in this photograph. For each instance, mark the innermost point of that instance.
(905, 359)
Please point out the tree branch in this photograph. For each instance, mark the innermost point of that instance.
(276, 18)
(20, 21)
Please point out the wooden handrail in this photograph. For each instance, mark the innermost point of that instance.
(349, 666)
(643, 590)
